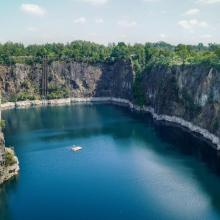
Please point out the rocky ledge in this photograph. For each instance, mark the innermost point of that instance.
(10, 166)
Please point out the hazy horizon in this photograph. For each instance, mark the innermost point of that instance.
(104, 44)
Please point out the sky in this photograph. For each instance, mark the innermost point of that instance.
(107, 21)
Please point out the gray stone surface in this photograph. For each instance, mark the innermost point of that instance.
(190, 93)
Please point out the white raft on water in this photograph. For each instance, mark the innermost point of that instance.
(76, 148)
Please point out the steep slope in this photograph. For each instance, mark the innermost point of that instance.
(189, 92)
(76, 79)
(9, 165)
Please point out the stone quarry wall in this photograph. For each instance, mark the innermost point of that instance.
(187, 95)
(9, 165)
(2, 153)
(188, 92)
(82, 79)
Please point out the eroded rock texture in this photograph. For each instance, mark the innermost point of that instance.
(191, 92)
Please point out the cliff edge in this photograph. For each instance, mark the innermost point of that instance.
(9, 165)
(188, 95)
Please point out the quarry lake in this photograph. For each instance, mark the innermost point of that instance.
(129, 167)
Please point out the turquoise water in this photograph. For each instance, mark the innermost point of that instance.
(129, 167)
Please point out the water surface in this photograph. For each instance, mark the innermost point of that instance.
(129, 167)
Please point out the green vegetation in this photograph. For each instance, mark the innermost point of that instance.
(23, 96)
(2, 124)
(9, 157)
(142, 54)
(11, 53)
(27, 92)
(57, 92)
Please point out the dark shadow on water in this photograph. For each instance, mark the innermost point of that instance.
(4, 210)
(180, 142)
(6, 188)
(189, 145)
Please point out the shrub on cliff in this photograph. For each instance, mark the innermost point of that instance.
(26, 96)
(9, 157)
(2, 124)
(57, 92)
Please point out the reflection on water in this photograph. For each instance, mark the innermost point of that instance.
(160, 172)
(4, 213)
(4, 189)
(199, 149)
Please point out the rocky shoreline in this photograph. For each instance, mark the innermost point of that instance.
(211, 138)
(9, 170)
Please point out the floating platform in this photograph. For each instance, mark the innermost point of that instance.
(76, 148)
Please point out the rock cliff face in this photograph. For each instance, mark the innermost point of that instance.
(189, 92)
(82, 80)
(9, 165)
(2, 153)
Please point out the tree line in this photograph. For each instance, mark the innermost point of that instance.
(142, 55)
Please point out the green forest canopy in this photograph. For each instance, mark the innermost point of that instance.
(84, 51)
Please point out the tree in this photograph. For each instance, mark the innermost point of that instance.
(183, 51)
(217, 52)
(120, 51)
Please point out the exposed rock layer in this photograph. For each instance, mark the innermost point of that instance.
(83, 80)
(9, 165)
(187, 95)
(191, 93)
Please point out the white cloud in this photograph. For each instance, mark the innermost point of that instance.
(99, 21)
(80, 20)
(124, 36)
(33, 9)
(96, 2)
(163, 36)
(151, 1)
(127, 24)
(32, 29)
(193, 23)
(93, 34)
(164, 12)
(206, 36)
(208, 2)
(193, 11)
